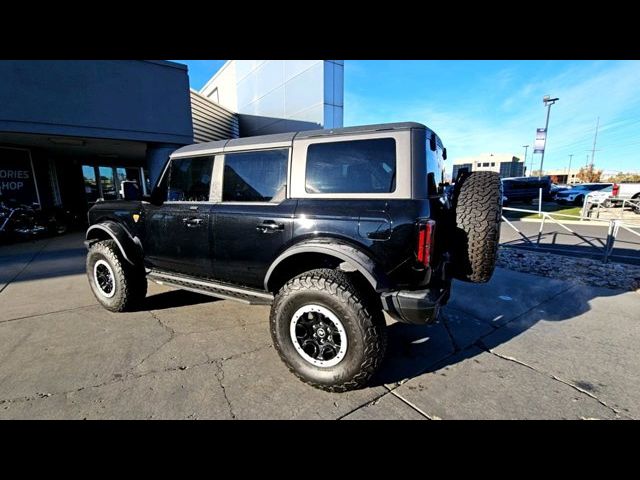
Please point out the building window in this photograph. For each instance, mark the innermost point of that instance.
(259, 176)
(90, 183)
(485, 164)
(356, 166)
(493, 164)
(479, 164)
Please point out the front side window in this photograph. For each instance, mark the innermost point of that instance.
(259, 176)
(190, 179)
(355, 166)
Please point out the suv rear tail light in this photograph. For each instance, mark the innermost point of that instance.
(616, 190)
(426, 233)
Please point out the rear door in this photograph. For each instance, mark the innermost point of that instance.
(253, 220)
(179, 232)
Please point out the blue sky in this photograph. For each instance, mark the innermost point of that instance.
(495, 106)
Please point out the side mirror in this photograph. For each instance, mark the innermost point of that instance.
(130, 190)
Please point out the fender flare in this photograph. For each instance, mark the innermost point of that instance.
(129, 246)
(356, 259)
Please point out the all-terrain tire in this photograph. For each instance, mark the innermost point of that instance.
(478, 211)
(363, 323)
(129, 282)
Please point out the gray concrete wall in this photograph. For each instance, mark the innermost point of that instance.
(274, 96)
(123, 99)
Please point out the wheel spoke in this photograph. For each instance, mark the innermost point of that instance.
(318, 335)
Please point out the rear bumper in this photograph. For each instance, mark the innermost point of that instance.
(417, 307)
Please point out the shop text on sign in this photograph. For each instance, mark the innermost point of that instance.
(13, 179)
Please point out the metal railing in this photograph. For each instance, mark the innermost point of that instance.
(545, 216)
(612, 234)
(588, 206)
(613, 227)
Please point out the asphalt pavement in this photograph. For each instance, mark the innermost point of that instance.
(518, 347)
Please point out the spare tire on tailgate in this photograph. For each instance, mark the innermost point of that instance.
(478, 209)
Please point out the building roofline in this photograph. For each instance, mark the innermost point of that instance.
(167, 63)
(215, 75)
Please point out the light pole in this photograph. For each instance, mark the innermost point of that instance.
(525, 157)
(569, 170)
(548, 101)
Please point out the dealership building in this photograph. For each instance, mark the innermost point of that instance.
(506, 164)
(72, 131)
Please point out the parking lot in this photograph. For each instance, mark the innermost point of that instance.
(521, 346)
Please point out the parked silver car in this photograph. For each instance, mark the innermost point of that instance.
(577, 193)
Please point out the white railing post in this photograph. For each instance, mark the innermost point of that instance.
(540, 202)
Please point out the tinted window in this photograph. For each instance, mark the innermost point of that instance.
(357, 166)
(190, 179)
(108, 183)
(90, 185)
(255, 176)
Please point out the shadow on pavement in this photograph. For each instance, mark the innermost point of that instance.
(475, 321)
(174, 298)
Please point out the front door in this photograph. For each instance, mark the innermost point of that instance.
(179, 232)
(253, 222)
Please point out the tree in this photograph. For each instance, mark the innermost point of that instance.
(621, 177)
(589, 174)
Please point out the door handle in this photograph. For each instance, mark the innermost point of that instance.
(192, 222)
(269, 226)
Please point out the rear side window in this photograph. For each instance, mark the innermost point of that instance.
(356, 166)
(259, 176)
(190, 179)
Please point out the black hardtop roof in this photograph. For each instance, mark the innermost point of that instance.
(290, 136)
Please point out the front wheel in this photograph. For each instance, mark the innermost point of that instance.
(117, 285)
(327, 332)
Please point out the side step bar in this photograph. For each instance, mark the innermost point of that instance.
(215, 289)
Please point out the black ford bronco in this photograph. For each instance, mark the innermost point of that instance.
(330, 227)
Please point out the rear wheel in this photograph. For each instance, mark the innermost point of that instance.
(327, 332)
(117, 285)
(478, 212)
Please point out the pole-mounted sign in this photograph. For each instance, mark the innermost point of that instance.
(541, 138)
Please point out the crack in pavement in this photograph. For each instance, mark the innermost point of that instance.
(220, 377)
(172, 335)
(617, 413)
(127, 377)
